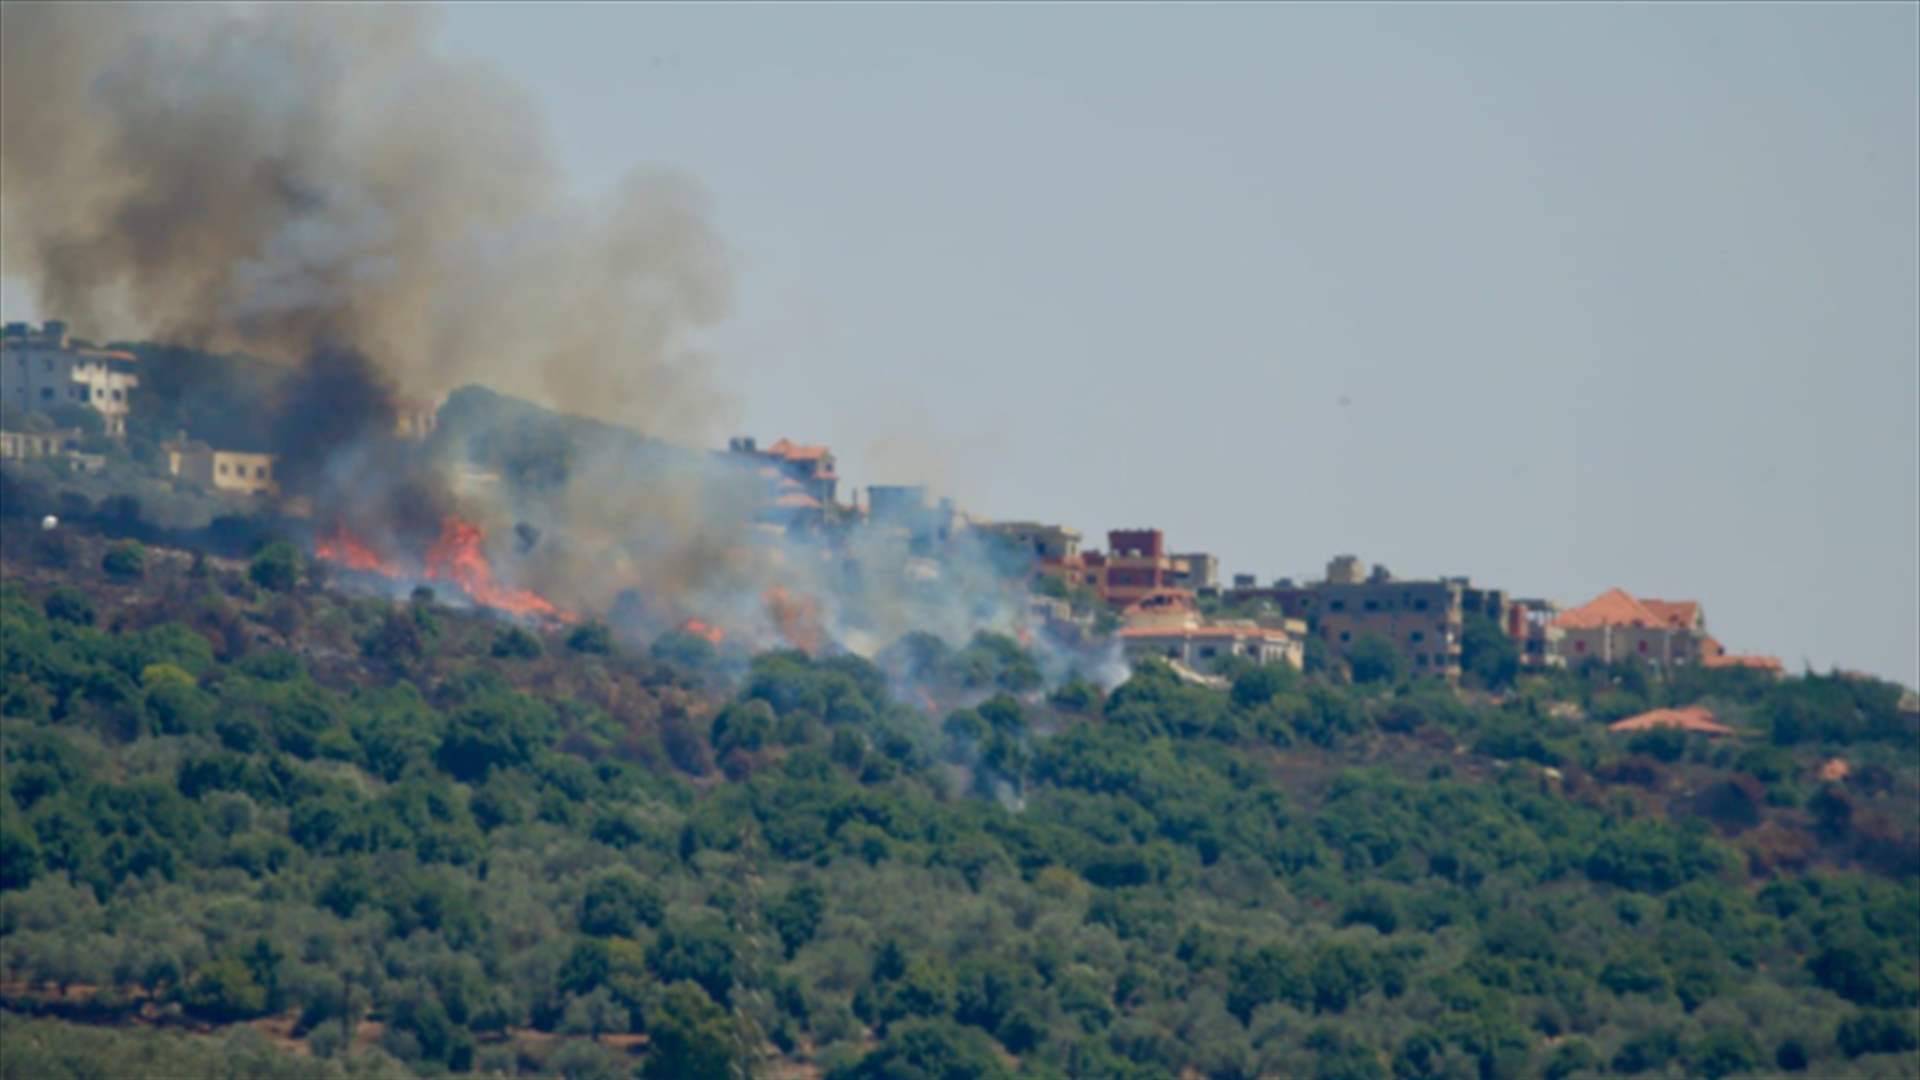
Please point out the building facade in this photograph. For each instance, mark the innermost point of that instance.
(811, 468)
(233, 471)
(42, 369)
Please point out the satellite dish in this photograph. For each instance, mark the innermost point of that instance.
(49, 523)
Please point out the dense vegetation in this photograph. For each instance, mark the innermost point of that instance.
(397, 837)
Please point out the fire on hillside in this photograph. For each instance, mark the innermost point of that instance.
(457, 557)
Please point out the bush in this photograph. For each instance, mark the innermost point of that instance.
(1373, 659)
(514, 643)
(591, 637)
(124, 562)
(68, 604)
(1876, 1033)
(276, 567)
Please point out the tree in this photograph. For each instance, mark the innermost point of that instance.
(68, 604)
(275, 567)
(124, 561)
(617, 903)
(1487, 653)
(689, 1036)
(591, 637)
(1373, 659)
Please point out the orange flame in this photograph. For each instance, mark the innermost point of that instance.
(798, 618)
(342, 547)
(457, 557)
(698, 628)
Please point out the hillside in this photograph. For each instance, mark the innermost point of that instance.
(327, 834)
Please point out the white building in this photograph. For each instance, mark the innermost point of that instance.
(42, 369)
(1166, 625)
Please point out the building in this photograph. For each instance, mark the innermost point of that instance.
(235, 471)
(811, 468)
(912, 512)
(42, 369)
(1166, 625)
(415, 419)
(1201, 572)
(24, 445)
(1048, 544)
(1615, 626)
(1136, 565)
(1530, 624)
(1422, 620)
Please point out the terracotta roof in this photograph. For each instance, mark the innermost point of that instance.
(1835, 770)
(1763, 663)
(797, 501)
(1693, 718)
(1615, 607)
(1681, 613)
(793, 451)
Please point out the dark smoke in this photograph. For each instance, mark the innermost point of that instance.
(296, 179)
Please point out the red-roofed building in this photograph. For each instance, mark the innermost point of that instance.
(1617, 626)
(811, 467)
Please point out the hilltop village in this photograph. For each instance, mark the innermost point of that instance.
(68, 403)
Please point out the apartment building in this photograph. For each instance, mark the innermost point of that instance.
(1422, 620)
(44, 368)
(1167, 625)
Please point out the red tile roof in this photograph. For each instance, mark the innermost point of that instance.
(1684, 614)
(793, 451)
(1615, 607)
(797, 501)
(1693, 718)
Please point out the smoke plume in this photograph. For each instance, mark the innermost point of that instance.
(295, 180)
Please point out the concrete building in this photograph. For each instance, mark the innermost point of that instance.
(233, 471)
(1165, 624)
(811, 468)
(1054, 544)
(1530, 624)
(1422, 620)
(41, 369)
(26, 445)
(1200, 573)
(912, 512)
(1137, 564)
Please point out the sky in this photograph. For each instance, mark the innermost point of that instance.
(1560, 297)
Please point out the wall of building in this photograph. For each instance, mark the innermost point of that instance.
(1422, 620)
(41, 372)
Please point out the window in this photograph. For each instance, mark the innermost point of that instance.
(116, 395)
(1420, 659)
(1337, 605)
(1372, 605)
(1419, 605)
(223, 468)
(1207, 650)
(1643, 646)
(259, 472)
(1345, 636)
(1579, 646)
(46, 393)
(1418, 637)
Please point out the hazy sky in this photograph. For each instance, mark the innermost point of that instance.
(1561, 297)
